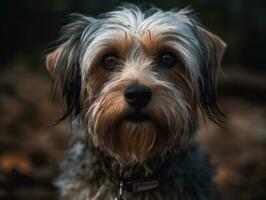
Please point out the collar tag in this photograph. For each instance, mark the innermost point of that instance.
(144, 186)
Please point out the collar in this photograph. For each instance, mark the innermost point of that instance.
(137, 182)
(136, 186)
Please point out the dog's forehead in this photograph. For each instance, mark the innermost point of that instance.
(115, 28)
(137, 23)
(137, 19)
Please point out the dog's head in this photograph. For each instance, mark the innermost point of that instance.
(136, 78)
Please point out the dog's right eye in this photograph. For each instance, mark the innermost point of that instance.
(166, 59)
(110, 61)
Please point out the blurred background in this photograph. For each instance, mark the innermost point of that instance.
(31, 146)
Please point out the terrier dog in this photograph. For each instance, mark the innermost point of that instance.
(132, 81)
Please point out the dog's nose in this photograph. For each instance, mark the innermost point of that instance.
(138, 96)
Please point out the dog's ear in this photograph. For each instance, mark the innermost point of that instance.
(214, 48)
(63, 63)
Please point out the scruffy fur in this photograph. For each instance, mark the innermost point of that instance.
(104, 143)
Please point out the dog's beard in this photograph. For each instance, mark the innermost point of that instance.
(167, 126)
(135, 141)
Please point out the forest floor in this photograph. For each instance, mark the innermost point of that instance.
(31, 146)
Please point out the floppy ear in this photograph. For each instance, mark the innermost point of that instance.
(214, 48)
(63, 63)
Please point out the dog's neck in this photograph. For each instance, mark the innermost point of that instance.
(147, 168)
(135, 177)
(145, 176)
(151, 173)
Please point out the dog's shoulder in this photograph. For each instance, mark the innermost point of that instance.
(78, 168)
(191, 173)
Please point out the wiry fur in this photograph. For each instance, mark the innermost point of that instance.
(94, 98)
(188, 176)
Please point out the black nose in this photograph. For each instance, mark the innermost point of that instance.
(138, 96)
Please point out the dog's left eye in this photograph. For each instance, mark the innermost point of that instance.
(110, 61)
(166, 60)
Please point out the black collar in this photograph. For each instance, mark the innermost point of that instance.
(138, 182)
(135, 186)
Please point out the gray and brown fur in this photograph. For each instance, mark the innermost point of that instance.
(94, 102)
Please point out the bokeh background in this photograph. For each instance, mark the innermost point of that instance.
(31, 146)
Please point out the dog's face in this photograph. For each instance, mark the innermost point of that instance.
(137, 78)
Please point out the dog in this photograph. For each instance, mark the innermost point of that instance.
(133, 82)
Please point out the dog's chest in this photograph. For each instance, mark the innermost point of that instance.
(188, 177)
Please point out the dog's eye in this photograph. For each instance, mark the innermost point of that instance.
(166, 60)
(110, 61)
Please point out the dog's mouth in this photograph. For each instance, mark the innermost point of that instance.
(138, 117)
